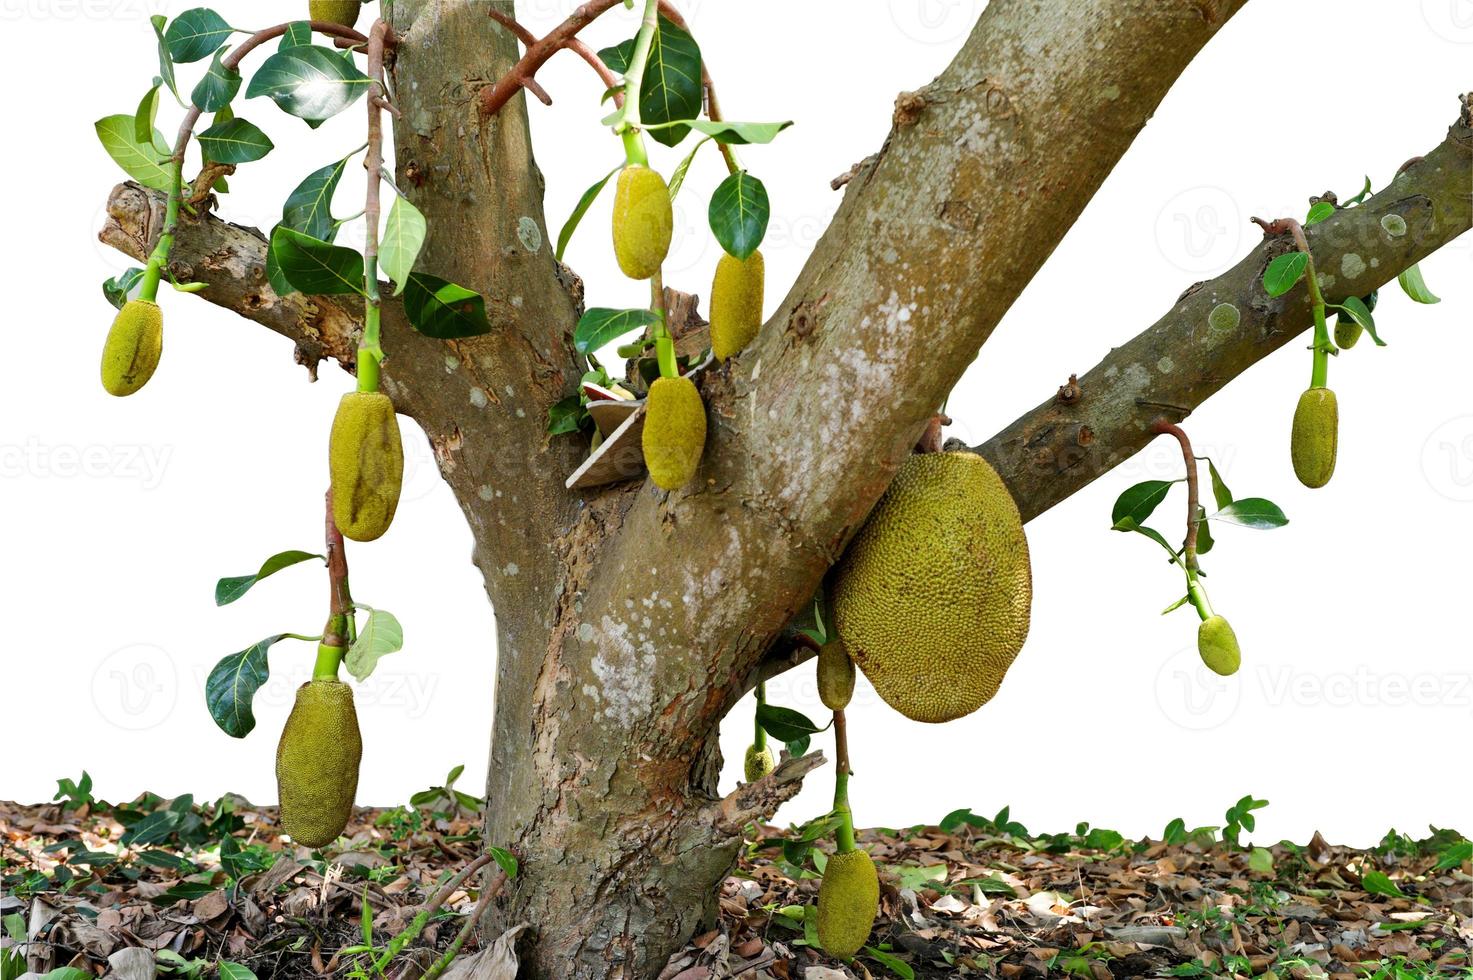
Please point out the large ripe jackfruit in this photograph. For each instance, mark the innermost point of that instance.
(758, 763)
(643, 221)
(342, 12)
(317, 763)
(736, 303)
(674, 432)
(848, 901)
(134, 343)
(366, 460)
(933, 595)
(1312, 441)
(1218, 646)
(835, 675)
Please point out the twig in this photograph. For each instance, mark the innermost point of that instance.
(494, 97)
(429, 908)
(470, 924)
(713, 107)
(1189, 547)
(340, 602)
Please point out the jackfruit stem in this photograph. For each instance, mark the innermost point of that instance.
(759, 734)
(160, 256)
(1319, 374)
(370, 353)
(1198, 595)
(634, 75)
(844, 832)
(664, 343)
(328, 659)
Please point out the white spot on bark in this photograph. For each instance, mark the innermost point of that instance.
(511, 569)
(451, 363)
(625, 671)
(1111, 92)
(1394, 225)
(1352, 266)
(485, 492)
(478, 397)
(1165, 365)
(529, 234)
(1224, 316)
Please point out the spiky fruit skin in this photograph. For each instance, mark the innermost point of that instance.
(1347, 332)
(317, 763)
(736, 303)
(674, 432)
(932, 597)
(1313, 439)
(1218, 646)
(835, 675)
(758, 763)
(848, 901)
(342, 12)
(643, 222)
(366, 461)
(134, 343)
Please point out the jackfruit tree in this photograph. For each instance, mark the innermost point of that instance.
(767, 492)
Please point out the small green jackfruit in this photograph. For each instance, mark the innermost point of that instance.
(932, 597)
(134, 343)
(317, 763)
(759, 763)
(366, 460)
(674, 432)
(1218, 646)
(835, 675)
(848, 901)
(341, 12)
(736, 303)
(643, 221)
(1347, 332)
(1313, 439)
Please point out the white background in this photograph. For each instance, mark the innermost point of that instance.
(1353, 710)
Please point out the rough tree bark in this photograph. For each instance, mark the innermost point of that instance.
(630, 620)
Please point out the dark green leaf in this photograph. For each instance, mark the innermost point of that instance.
(1254, 512)
(1284, 272)
(194, 34)
(444, 310)
(1377, 883)
(227, 590)
(1129, 524)
(1356, 309)
(729, 132)
(600, 326)
(298, 33)
(308, 208)
(1318, 213)
(584, 202)
(785, 724)
(894, 964)
(166, 60)
(1138, 503)
(1455, 855)
(1220, 492)
(309, 82)
(798, 746)
(233, 684)
(738, 214)
(316, 267)
(234, 141)
(1204, 532)
(565, 415)
(144, 162)
(671, 88)
(217, 87)
(152, 829)
(117, 288)
(1415, 286)
(404, 236)
(505, 859)
(145, 115)
(234, 971)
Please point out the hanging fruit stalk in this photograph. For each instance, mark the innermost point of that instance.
(849, 897)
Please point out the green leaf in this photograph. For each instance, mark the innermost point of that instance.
(1377, 883)
(600, 326)
(166, 60)
(146, 114)
(726, 131)
(309, 82)
(1365, 192)
(140, 160)
(1220, 492)
(316, 267)
(444, 310)
(894, 964)
(565, 415)
(380, 636)
(1357, 310)
(1129, 524)
(785, 724)
(1318, 213)
(798, 746)
(404, 236)
(298, 33)
(1455, 855)
(194, 34)
(227, 590)
(117, 288)
(1253, 512)
(1204, 532)
(1284, 272)
(1138, 503)
(1176, 605)
(738, 214)
(505, 859)
(234, 141)
(671, 88)
(67, 973)
(1260, 859)
(308, 208)
(232, 685)
(234, 971)
(1415, 286)
(677, 177)
(579, 210)
(218, 86)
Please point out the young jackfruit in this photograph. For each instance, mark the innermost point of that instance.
(1347, 332)
(1218, 646)
(643, 221)
(366, 460)
(736, 303)
(317, 763)
(674, 432)
(1312, 440)
(134, 343)
(932, 596)
(341, 12)
(848, 901)
(759, 763)
(835, 675)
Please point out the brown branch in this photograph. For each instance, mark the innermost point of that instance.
(841, 743)
(471, 922)
(1189, 545)
(493, 97)
(713, 106)
(374, 160)
(760, 799)
(339, 600)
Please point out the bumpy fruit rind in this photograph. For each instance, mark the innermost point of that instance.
(317, 763)
(1347, 332)
(366, 460)
(758, 763)
(835, 675)
(643, 222)
(1312, 442)
(341, 12)
(134, 343)
(1218, 646)
(674, 432)
(736, 303)
(932, 597)
(848, 901)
